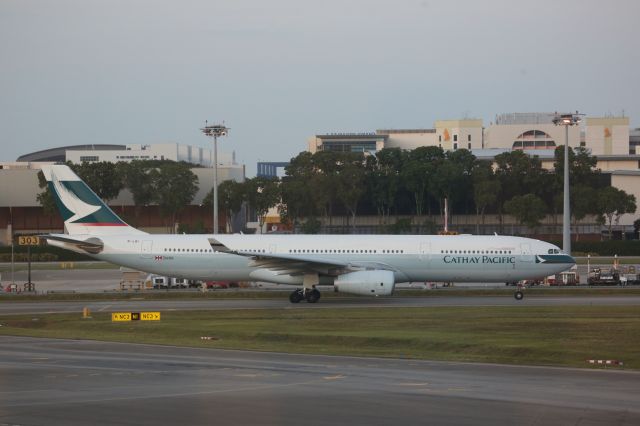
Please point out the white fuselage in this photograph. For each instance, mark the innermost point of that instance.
(462, 258)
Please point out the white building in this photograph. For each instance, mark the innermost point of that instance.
(448, 134)
(160, 151)
(529, 132)
(459, 134)
(608, 136)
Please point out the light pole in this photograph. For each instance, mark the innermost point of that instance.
(566, 120)
(215, 131)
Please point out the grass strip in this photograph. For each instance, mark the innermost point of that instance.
(326, 293)
(562, 336)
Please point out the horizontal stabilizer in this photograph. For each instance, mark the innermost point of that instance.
(91, 245)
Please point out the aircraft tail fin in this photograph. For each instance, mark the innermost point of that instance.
(82, 210)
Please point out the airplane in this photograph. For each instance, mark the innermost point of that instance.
(356, 264)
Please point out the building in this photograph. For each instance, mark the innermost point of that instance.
(458, 134)
(348, 142)
(512, 131)
(270, 168)
(114, 153)
(59, 154)
(529, 132)
(609, 138)
(634, 141)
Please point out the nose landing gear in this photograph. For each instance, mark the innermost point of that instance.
(519, 295)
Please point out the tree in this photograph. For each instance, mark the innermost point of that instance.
(452, 181)
(102, 177)
(419, 168)
(350, 182)
(324, 181)
(137, 177)
(582, 166)
(296, 189)
(612, 203)
(262, 193)
(175, 185)
(582, 203)
(518, 174)
(45, 198)
(528, 209)
(383, 179)
(486, 188)
(231, 196)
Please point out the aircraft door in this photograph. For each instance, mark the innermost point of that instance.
(272, 248)
(425, 252)
(146, 249)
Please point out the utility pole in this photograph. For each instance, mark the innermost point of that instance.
(566, 120)
(215, 131)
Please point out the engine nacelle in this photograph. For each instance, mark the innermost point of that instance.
(366, 283)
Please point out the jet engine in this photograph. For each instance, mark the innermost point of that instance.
(366, 283)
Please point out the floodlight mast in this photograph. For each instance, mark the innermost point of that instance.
(566, 120)
(215, 131)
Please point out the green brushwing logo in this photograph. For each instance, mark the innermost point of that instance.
(79, 204)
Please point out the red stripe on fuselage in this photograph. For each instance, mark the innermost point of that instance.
(102, 224)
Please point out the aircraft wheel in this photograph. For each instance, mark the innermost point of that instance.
(313, 296)
(518, 295)
(296, 296)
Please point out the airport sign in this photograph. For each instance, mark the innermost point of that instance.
(135, 316)
(28, 240)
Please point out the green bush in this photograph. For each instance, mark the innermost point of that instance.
(311, 226)
(402, 226)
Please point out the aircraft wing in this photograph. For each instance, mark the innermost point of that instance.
(287, 264)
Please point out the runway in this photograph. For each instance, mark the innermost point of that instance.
(66, 382)
(14, 308)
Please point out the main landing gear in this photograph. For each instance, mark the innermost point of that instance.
(519, 295)
(311, 295)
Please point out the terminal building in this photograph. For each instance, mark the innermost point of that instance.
(603, 136)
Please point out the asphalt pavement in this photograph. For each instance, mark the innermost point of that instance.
(69, 382)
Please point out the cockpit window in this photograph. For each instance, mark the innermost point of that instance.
(550, 251)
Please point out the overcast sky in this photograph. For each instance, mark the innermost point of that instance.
(277, 72)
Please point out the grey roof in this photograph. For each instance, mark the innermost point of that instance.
(525, 118)
(59, 154)
(388, 131)
(351, 136)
